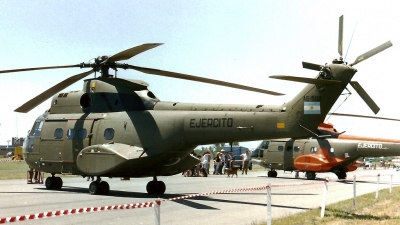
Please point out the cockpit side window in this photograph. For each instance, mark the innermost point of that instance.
(37, 128)
(265, 144)
(58, 133)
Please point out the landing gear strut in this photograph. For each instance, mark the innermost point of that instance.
(53, 182)
(310, 175)
(99, 187)
(272, 173)
(155, 187)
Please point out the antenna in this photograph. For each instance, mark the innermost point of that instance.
(350, 42)
(16, 123)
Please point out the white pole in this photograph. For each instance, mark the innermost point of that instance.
(156, 206)
(354, 191)
(377, 186)
(324, 197)
(391, 178)
(269, 204)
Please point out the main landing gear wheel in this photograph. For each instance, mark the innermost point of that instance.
(341, 175)
(272, 173)
(155, 187)
(99, 187)
(310, 175)
(53, 183)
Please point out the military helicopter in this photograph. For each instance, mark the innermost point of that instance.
(117, 127)
(327, 151)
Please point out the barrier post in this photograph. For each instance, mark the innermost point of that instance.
(391, 179)
(156, 206)
(269, 204)
(324, 197)
(354, 192)
(377, 186)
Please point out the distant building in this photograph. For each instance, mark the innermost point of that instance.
(10, 148)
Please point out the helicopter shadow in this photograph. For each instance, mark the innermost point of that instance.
(190, 202)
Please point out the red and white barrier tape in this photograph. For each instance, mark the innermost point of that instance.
(74, 211)
(141, 205)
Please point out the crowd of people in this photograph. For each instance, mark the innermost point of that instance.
(221, 161)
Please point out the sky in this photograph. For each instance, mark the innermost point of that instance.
(236, 41)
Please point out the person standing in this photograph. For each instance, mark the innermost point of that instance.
(246, 161)
(206, 162)
(217, 162)
(222, 157)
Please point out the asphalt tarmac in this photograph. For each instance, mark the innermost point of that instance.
(289, 196)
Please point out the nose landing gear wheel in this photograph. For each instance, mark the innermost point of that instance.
(99, 187)
(104, 188)
(53, 183)
(49, 183)
(155, 187)
(94, 188)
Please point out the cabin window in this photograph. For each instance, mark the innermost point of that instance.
(289, 148)
(71, 133)
(109, 134)
(296, 148)
(313, 149)
(331, 150)
(280, 148)
(58, 133)
(82, 133)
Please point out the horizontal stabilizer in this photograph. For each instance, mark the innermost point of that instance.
(306, 80)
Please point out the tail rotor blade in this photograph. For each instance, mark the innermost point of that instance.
(363, 94)
(372, 52)
(340, 43)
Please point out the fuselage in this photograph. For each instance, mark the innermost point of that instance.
(322, 155)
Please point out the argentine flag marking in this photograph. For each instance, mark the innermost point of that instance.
(312, 108)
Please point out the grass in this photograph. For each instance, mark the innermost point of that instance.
(13, 169)
(384, 210)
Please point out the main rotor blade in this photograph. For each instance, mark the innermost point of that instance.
(39, 68)
(372, 52)
(340, 44)
(129, 53)
(199, 79)
(312, 66)
(50, 92)
(363, 94)
(306, 80)
(362, 116)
